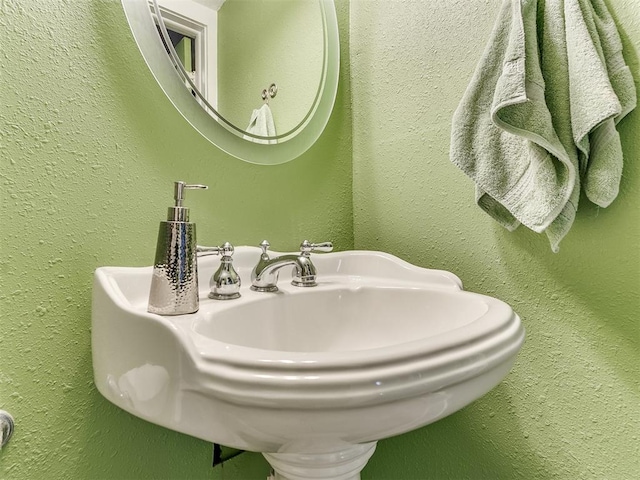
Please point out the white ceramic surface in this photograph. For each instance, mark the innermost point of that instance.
(380, 347)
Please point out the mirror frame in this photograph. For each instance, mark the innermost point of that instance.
(227, 138)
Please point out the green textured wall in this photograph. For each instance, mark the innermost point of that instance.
(89, 148)
(571, 406)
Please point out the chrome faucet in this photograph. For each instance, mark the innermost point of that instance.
(264, 277)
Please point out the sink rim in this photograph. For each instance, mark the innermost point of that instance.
(496, 316)
(360, 377)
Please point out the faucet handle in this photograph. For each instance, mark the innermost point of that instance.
(264, 245)
(226, 250)
(225, 282)
(307, 247)
(206, 251)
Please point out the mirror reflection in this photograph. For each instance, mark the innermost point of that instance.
(256, 65)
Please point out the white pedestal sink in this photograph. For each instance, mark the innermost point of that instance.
(311, 377)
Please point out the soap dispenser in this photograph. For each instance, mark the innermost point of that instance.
(174, 284)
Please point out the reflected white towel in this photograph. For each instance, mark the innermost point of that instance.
(261, 124)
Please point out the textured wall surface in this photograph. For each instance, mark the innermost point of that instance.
(89, 148)
(571, 406)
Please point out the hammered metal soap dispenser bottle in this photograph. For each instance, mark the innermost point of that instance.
(174, 285)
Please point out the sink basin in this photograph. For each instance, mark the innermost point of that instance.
(311, 377)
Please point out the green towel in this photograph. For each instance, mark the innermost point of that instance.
(532, 122)
(610, 83)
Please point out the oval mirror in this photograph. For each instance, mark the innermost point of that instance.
(257, 78)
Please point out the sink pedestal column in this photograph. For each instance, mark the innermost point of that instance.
(340, 464)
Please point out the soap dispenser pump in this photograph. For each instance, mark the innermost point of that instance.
(174, 284)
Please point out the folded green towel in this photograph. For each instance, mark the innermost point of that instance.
(533, 120)
(599, 104)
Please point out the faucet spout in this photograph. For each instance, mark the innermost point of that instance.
(264, 276)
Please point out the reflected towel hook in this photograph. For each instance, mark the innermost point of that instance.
(270, 92)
